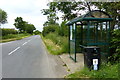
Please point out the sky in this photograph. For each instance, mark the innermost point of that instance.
(29, 10)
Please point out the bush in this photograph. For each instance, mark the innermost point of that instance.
(8, 31)
(9, 36)
(63, 29)
(49, 29)
(115, 46)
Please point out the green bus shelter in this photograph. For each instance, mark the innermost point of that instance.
(91, 29)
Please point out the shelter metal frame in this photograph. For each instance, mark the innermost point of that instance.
(92, 25)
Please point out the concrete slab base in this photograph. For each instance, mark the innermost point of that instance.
(73, 66)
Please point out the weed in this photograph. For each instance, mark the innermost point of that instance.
(106, 71)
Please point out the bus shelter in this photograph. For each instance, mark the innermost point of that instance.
(91, 29)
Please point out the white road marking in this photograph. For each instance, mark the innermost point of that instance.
(13, 51)
(24, 43)
(19, 47)
(29, 40)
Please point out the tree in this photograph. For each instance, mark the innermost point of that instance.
(115, 46)
(3, 17)
(112, 8)
(20, 24)
(29, 28)
(24, 26)
(49, 29)
(51, 16)
(37, 32)
(71, 10)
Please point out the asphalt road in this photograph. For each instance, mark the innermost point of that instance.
(28, 58)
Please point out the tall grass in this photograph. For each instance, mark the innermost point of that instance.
(57, 41)
(52, 47)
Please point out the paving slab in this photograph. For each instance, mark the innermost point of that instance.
(73, 66)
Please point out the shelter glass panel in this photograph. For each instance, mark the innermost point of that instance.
(72, 41)
(84, 34)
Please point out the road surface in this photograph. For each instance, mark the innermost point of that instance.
(28, 58)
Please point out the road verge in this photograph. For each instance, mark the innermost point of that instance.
(13, 39)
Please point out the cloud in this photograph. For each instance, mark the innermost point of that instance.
(28, 9)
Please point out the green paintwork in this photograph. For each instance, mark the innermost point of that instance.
(88, 19)
(95, 40)
(100, 43)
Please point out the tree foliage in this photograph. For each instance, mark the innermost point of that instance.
(19, 24)
(51, 16)
(71, 10)
(3, 17)
(24, 26)
(112, 8)
(36, 32)
(29, 28)
(63, 29)
(49, 29)
(115, 46)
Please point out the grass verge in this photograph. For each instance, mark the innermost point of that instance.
(106, 71)
(55, 43)
(51, 46)
(13, 37)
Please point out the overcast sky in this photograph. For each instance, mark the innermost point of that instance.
(29, 10)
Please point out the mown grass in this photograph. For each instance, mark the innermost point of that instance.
(12, 37)
(106, 71)
(56, 44)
